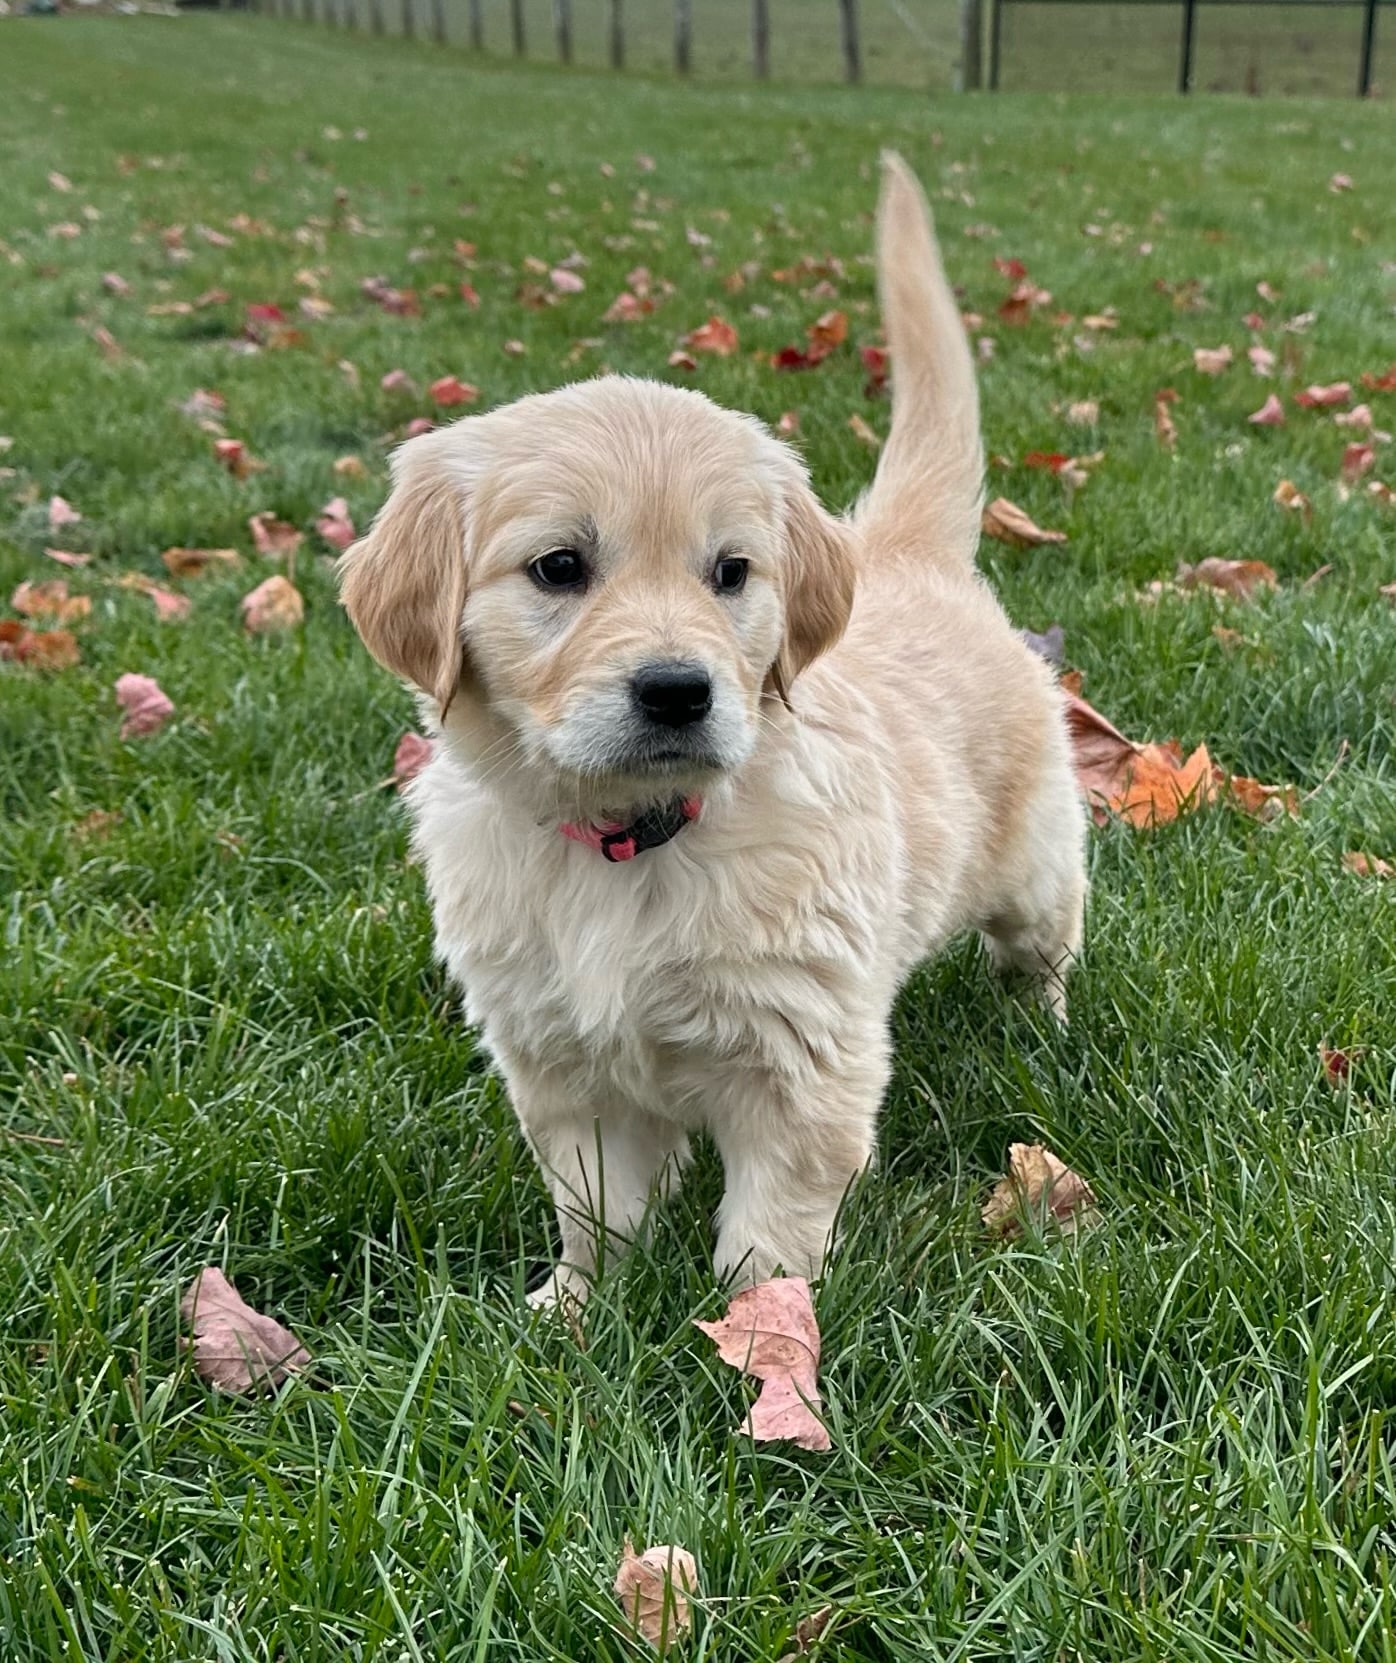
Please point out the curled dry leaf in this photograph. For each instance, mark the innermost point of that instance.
(61, 513)
(146, 705)
(236, 1348)
(275, 604)
(1261, 802)
(1322, 398)
(1288, 495)
(1147, 785)
(863, 433)
(271, 537)
(1358, 459)
(1009, 524)
(1240, 578)
(1212, 360)
(397, 381)
(195, 562)
(1368, 866)
(168, 606)
(653, 1589)
(350, 467)
(411, 756)
(447, 392)
(1337, 1065)
(334, 524)
(770, 1332)
(1262, 359)
(235, 457)
(65, 557)
(1165, 429)
(716, 336)
(50, 600)
(1042, 1186)
(565, 282)
(807, 1631)
(44, 649)
(682, 361)
(1270, 414)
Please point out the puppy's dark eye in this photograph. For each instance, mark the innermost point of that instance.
(729, 575)
(559, 569)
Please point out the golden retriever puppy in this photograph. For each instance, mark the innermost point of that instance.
(716, 769)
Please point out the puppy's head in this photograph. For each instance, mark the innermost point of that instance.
(602, 585)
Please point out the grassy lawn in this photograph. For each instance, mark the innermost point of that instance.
(1170, 1441)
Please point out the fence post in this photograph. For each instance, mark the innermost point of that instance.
(351, 15)
(409, 21)
(1369, 36)
(438, 22)
(761, 39)
(995, 42)
(375, 17)
(617, 20)
(848, 30)
(683, 36)
(562, 28)
(477, 26)
(971, 77)
(1185, 60)
(516, 20)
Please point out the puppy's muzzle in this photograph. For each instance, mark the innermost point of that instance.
(672, 694)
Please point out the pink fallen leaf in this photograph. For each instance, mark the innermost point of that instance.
(653, 1589)
(1212, 360)
(1322, 397)
(770, 1332)
(1358, 459)
(565, 282)
(272, 537)
(1008, 523)
(1262, 359)
(334, 524)
(397, 381)
(716, 336)
(168, 606)
(1340, 182)
(145, 703)
(1270, 414)
(789, 423)
(447, 391)
(236, 1348)
(275, 604)
(61, 513)
(114, 283)
(1040, 1185)
(413, 753)
(203, 405)
(65, 557)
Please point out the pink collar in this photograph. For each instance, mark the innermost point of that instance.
(654, 827)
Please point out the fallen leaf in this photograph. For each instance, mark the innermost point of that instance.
(448, 392)
(1368, 866)
(235, 457)
(770, 1332)
(60, 182)
(50, 600)
(397, 381)
(682, 361)
(789, 423)
(1147, 785)
(653, 1589)
(203, 404)
(1383, 383)
(807, 1631)
(1212, 360)
(195, 562)
(1165, 430)
(1321, 398)
(1270, 414)
(1288, 495)
(114, 283)
(1337, 1065)
(826, 333)
(1262, 359)
(1009, 524)
(875, 360)
(334, 524)
(236, 1348)
(45, 649)
(1018, 309)
(1340, 182)
(350, 467)
(271, 537)
(1361, 420)
(411, 756)
(275, 604)
(716, 336)
(1358, 459)
(565, 282)
(514, 349)
(145, 703)
(862, 432)
(1261, 802)
(61, 513)
(1240, 578)
(66, 557)
(1040, 1184)
(1085, 412)
(417, 426)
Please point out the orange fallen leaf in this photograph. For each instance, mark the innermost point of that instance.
(1368, 866)
(1288, 495)
(716, 336)
(334, 524)
(1042, 1186)
(770, 1332)
(653, 1589)
(350, 467)
(1147, 785)
(45, 649)
(1009, 524)
(275, 604)
(50, 600)
(1261, 802)
(826, 333)
(195, 562)
(146, 705)
(272, 537)
(1240, 578)
(236, 1348)
(447, 391)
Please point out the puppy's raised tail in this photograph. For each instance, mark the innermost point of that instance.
(926, 498)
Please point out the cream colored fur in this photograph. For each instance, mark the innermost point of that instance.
(888, 767)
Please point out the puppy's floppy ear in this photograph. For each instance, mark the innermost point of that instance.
(403, 585)
(818, 589)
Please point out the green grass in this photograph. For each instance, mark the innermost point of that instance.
(1170, 1443)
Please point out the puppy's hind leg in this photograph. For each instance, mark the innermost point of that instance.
(1040, 938)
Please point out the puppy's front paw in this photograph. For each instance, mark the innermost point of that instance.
(565, 1291)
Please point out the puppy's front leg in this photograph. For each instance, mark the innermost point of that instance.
(602, 1166)
(789, 1153)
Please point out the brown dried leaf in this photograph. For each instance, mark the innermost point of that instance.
(45, 649)
(1040, 1184)
(275, 604)
(1368, 866)
(716, 336)
(272, 537)
(236, 1348)
(807, 1631)
(653, 1589)
(1148, 785)
(1239, 578)
(195, 562)
(1007, 522)
(770, 1332)
(1288, 495)
(334, 524)
(50, 600)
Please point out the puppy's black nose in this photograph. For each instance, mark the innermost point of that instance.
(674, 695)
